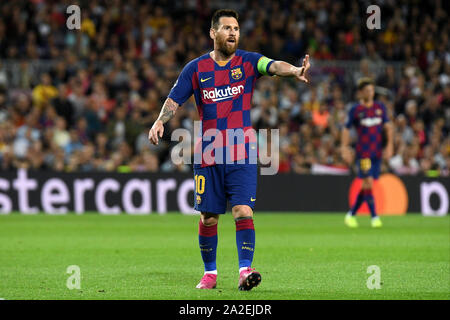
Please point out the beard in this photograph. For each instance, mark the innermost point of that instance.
(225, 47)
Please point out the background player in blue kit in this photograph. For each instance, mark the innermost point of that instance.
(370, 118)
(222, 82)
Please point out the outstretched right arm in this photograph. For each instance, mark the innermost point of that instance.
(167, 112)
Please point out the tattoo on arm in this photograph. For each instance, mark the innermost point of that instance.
(168, 110)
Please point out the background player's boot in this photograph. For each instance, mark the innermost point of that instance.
(248, 279)
(350, 221)
(208, 281)
(376, 222)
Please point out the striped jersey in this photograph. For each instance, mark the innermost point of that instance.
(369, 123)
(223, 95)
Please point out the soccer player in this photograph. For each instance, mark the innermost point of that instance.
(222, 82)
(369, 117)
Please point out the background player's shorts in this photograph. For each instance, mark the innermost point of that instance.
(216, 184)
(369, 167)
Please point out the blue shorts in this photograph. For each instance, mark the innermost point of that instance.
(217, 184)
(369, 167)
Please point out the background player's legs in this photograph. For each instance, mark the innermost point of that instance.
(358, 202)
(368, 195)
(365, 172)
(350, 219)
(245, 235)
(365, 194)
(207, 238)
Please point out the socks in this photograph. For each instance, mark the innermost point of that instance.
(245, 241)
(364, 195)
(207, 239)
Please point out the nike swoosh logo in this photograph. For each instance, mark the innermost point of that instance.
(203, 80)
(252, 199)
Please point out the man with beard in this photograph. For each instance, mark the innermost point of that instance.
(222, 82)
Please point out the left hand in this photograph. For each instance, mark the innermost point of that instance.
(301, 74)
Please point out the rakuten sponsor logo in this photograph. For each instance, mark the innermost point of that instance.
(370, 122)
(222, 94)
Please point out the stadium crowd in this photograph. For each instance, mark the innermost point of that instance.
(103, 87)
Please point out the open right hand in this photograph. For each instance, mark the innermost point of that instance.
(301, 75)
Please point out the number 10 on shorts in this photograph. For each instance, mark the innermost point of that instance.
(199, 184)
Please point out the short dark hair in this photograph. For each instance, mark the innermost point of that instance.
(365, 82)
(222, 13)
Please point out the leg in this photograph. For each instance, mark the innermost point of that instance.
(364, 172)
(364, 166)
(357, 204)
(240, 182)
(245, 235)
(209, 219)
(211, 202)
(368, 195)
(367, 183)
(207, 240)
(245, 241)
(242, 211)
(375, 173)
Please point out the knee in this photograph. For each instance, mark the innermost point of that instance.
(367, 183)
(242, 211)
(209, 219)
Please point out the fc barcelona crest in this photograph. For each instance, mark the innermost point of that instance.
(236, 74)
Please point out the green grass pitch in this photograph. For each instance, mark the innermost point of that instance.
(300, 256)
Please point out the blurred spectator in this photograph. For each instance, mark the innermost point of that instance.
(84, 100)
(43, 92)
(61, 137)
(320, 117)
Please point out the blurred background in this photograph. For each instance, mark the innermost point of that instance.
(84, 100)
